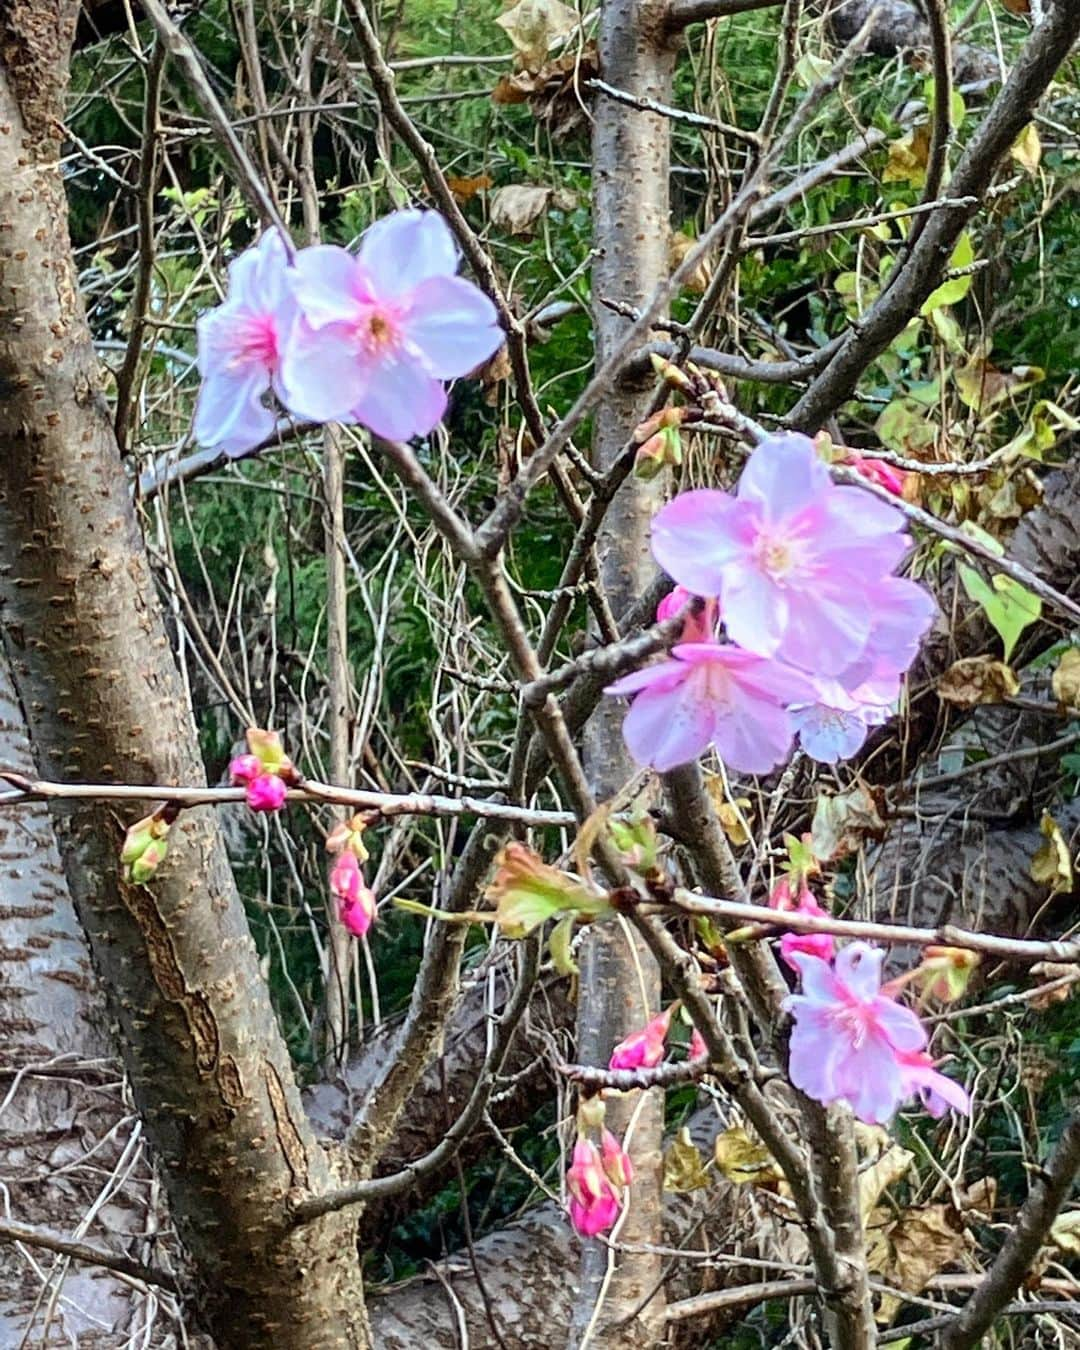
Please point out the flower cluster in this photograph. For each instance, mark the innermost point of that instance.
(853, 1042)
(597, 1180)
(265, 772)
(338, 337)
(819, 632)
(355, 899)
(645, 1049)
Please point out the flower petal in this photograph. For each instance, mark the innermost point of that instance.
(784, 475)
(454, 325)
(695, 536)
(754, 737)
(858, 969)
(400, 401)
(230, 415)
(669, 726)
(829, 734)
(322, 374)
(405, 248)
(328, 284)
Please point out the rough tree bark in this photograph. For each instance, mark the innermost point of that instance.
(61, 1094)
(620, 983)
(93, 669)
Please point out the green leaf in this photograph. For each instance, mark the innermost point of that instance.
(954, 290)
(1009, 607)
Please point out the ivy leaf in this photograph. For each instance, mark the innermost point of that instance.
(953, 290)
(1008, 606)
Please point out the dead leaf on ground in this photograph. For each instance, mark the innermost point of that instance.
(842, 821)
(684, 1167)
(742, 1161)
(534, 25)
(1066, 679)
(1065, 1232)
(679, 245)
(977, 679)
(464, 189)
(517, 208)
(923, 1241)
(981, 1196)
(875, 1180)
(1052, 865)
(1049, 972)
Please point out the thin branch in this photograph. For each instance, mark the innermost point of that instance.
(1005, 949)
(916, 276)
(178, 45)
(631, 1080)
(385, 803)
(87, 1253)
(682, 13)
(1048, 1193)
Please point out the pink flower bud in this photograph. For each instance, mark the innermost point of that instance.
(356, 903)
(643, 1049)
(698, 1048)
(244, 768)
(594, 1206)
(266, 792)
(616, 1161)
(877, 471)
(822, 945)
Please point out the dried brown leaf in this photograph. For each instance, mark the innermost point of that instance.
(977, 679)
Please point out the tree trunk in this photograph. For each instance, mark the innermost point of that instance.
(92, 665)
(620, 982)
(62, 1097)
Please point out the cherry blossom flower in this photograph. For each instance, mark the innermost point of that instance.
(594, 1206)
(709, 694)
(380, 331)
(848, 1037)
(793, 558)
(837, 723)
(936, 1091)
(643, 1049)
(240, 347)
(698, 1048)
(356, 903)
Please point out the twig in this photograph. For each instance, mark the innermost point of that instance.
(631, 1080)
(1007, 949)
(87, 1253)
(1048, 1193)
(385, 803)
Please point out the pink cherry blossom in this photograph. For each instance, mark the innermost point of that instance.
(696, 627)
(356, 903)
(936, 1091)
(792, 557)
(381, 331)
(643, 1049)
(266, 792)
(848, 1037)
(836, 724)
(821, 945)
(712, 694)
(698, 1048)
(594, 1206)
(618, 1168)
(240, 349)
(243, 768)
